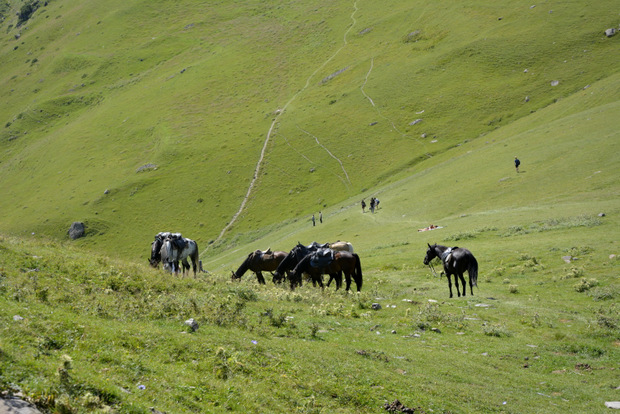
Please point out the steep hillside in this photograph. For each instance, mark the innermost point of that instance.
(222, 120)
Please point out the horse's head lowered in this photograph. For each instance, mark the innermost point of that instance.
(430, 254)
(155, 252)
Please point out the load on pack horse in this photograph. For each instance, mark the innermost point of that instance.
(456, 261)
(259, 261)
(172, 248)
(156, 246)
(334, 263)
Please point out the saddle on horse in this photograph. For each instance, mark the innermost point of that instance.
(322, 257)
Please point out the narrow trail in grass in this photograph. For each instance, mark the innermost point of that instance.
(279, 113)
(345, 182)
(330, 154)
(372, 102)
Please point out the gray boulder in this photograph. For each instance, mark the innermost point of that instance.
(77, 230)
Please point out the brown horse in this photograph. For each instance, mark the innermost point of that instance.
(344, 262)
(259, 261)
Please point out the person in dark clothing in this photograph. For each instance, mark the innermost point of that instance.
(363, 206)
(517, 163)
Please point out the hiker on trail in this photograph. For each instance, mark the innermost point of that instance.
(313, 221)
(517, 163)
(372, 205)
(320, 216)
(363, 206)
(376, 204)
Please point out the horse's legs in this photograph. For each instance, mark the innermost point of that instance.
(460, 275)
(347, 278)
(259, 276)
(449, 277)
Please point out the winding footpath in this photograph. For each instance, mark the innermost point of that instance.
(279, 113)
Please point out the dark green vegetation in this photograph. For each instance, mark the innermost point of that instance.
(169, 106)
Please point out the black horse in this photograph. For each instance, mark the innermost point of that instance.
(343, 262)
(290, 261)
(258, 262)
(455, 261)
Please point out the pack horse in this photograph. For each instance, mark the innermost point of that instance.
(456, 261)
(172, 248)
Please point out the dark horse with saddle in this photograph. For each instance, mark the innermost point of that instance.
(456, 261)
(317, 260)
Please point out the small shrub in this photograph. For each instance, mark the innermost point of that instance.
(496, 330)
(461, 236)
(603, 293)
(585, 285)
(513, 289)
(574, 272)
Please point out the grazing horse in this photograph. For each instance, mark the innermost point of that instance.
(455, 261)
(258, 262)
(343, 262)
(175, 250)
(290, 261)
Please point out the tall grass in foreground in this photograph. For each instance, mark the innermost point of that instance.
(83, 333)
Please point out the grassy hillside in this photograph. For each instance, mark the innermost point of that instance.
(92, 92)
(137, 117)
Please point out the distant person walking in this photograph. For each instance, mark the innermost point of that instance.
(376, 204)
(517, 163)
(320, 216)
(372, 205)
(313, 221)
(363, 206)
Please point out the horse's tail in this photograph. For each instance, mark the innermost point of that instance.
(196, 264)
(473, 271)
(358, 272)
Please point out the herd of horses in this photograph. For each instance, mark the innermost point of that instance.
(315, 260)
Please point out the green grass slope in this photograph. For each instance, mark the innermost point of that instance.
(329, 94)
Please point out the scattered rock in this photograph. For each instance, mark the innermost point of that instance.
(555, 83)
(436, 330)
(417, 121)
(610, 32)
(613, 404)
(193, 325)
(146, 167)
(567, 259)
(397, 406)
(77, 230)
(106, 192)
(601, 214)
(11, 404)
(376, 306)
(583, 367)
(17, 318)
(612, 257)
